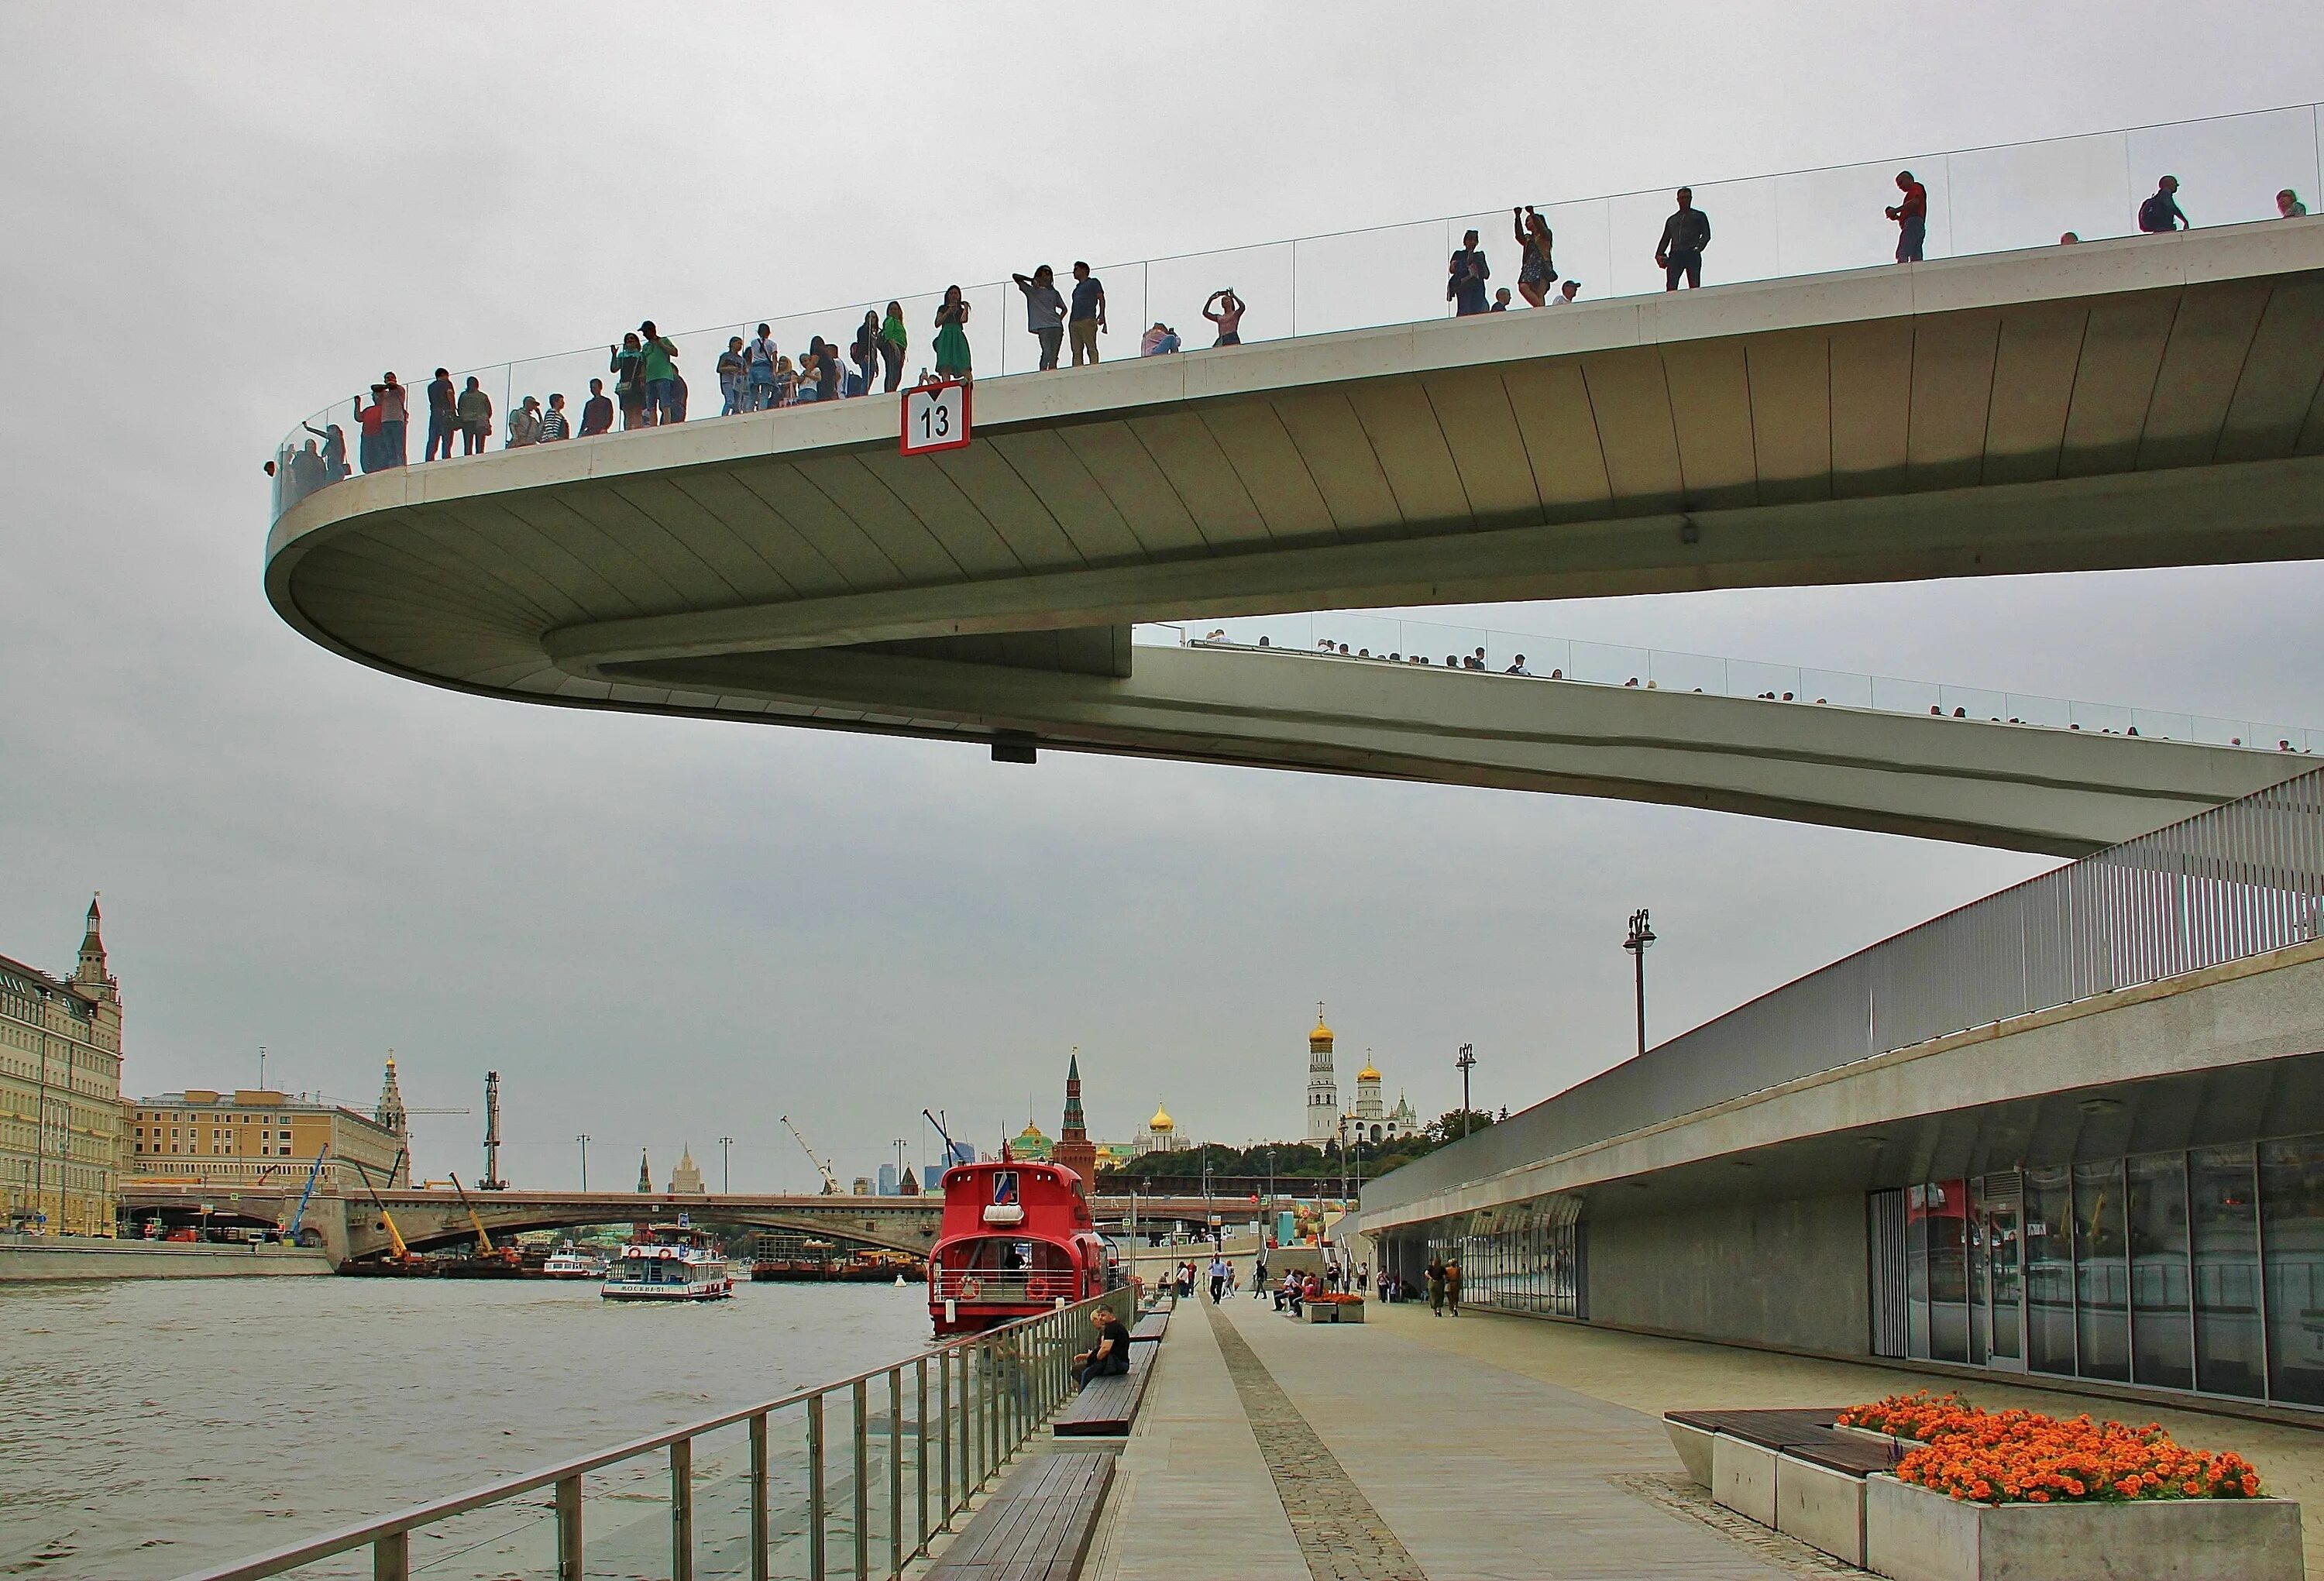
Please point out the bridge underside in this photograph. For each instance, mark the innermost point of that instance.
(2153, 402)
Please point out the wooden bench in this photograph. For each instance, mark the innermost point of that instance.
(1803, 1434)
(1105, 1407)
(1036, 1527)
(1151, 1327)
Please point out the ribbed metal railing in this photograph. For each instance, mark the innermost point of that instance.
(847, 1479)
(2234, 882)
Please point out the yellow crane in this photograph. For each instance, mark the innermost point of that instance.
(386, 1219)
(830, 1181)
(483, 1240)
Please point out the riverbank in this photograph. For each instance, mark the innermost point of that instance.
(43, 1259)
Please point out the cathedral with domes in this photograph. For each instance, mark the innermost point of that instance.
(1372, 1120)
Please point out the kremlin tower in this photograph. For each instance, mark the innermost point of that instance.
(1074, 1149)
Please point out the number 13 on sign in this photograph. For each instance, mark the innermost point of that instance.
(936, 417)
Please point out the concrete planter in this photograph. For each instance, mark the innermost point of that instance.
(1336, 1311)
(1743, 1478)
(1822, 1507)
(1912, 1534)
(1693, 1445)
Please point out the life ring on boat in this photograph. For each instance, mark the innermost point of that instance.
(970, 1288)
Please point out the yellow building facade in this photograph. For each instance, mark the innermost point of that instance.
(63, 1125)
(256, 1137)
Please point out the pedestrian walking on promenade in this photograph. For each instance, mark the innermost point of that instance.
(474, 412)
(1685, 234)
(952, 336)
(443, 414)
(758, 372)
(1219, 1275)
(658, 364)
(2288, 204)
(1086, 319)
(1464, 286)
(597, 411)
(1258, 1273)
(2160, 211)
(1045, 312)
(1452, 1287)
(733, 378)
(1535, 273)
(865, 355)
(627, 369)
(1436, 1287)
(1912, 217)
(555, 424)
(892, 341)
(524, 424)
(1228, 319)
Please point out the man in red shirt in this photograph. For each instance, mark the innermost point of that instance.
(1912, 217)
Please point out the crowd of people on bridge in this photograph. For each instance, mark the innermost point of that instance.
(649, 390)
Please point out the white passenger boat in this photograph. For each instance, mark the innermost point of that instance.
(569, 1262)
(676, 1266)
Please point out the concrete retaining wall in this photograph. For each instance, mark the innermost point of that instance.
(25, 1259)
(1787, 1273)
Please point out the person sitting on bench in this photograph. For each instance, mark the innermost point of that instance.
(1111, 1359)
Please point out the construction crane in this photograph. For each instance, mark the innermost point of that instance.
(830, 1181)
(484, 1248)
(492, 1181)
(291, 1235)
(386, 1219)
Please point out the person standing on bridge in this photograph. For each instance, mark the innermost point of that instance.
(2160, 212)
(1045, 312)
(952, 336)
(892, 341)
(1087, 320)
(1685, 234)
(597, 411)
(1912, 217)
(1466, 274)
(1535, 273)
(1228, 319)
(474, 410)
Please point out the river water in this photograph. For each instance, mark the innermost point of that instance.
(149, 1428)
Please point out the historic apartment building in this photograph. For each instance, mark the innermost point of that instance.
(63, 1127)
(259, 1136)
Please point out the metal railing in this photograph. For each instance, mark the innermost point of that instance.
(1989, 199)
(2234, 882)
(849, 1479)
(1358, 636)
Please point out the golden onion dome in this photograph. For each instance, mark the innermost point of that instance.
(1321, 1034)
(1161, 1120)
(1368, 1073)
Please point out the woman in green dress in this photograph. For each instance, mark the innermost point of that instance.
(892, 346)
(952, 336)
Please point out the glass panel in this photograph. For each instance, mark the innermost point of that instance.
(2101, 1271)
(2049, 1270)
(1916, 1272)
(1947, 1208)
(514, 1541)
(2226, 1236)
(2291, 1206)
(2162, 1342)
(1979, 1280)
(721, 1503)
(2004, 1236)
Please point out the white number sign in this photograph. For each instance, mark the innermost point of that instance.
(936, 417)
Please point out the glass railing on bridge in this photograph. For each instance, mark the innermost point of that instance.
(2231, 170)
(1358, 636)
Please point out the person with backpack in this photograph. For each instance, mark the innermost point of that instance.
(758, 372)
(2160, 212)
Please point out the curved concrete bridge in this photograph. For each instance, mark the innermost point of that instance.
(2150, 402)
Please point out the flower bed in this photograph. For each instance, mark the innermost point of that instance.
(2023, 1456)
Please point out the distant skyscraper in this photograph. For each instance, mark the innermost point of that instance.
(686, 1179)
(890, 1185)
(1322, 1087)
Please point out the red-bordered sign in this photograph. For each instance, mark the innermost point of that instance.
(936, 417)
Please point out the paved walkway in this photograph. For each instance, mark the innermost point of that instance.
(1268, 1449)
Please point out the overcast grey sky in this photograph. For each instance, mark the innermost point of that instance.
(663, 931)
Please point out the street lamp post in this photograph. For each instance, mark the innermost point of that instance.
(584, 1139)
(899, 1144)
(1464, 1062)
(1642, 935)
(726, 1172)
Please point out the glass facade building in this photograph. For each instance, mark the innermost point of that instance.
(2200, 1269)
(1522, 1257)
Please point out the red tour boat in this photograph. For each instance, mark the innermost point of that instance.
(1016, 1240)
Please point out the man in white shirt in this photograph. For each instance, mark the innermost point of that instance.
(1563, 296)
(759, 373)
